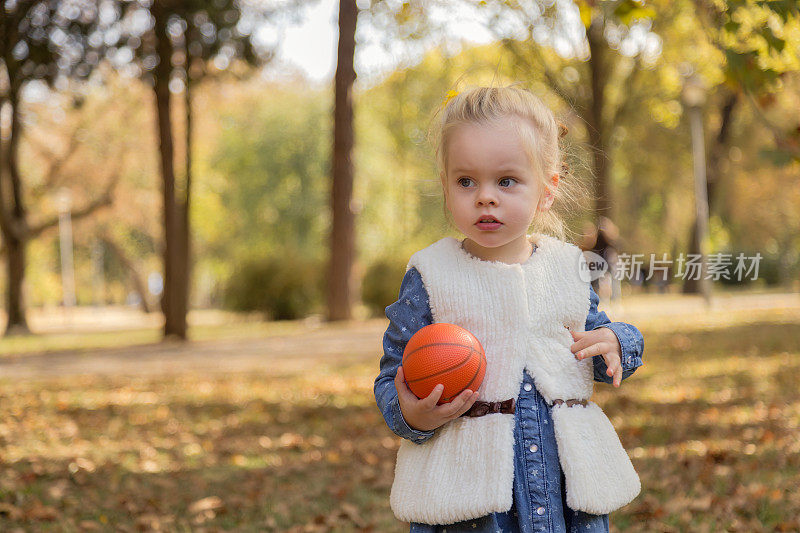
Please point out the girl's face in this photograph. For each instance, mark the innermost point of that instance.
(488, 174)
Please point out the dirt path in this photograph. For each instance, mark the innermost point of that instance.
(314, 343)
(280, 354)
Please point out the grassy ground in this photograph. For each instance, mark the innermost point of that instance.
(710, 421)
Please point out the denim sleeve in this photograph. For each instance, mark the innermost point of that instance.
(630, 340)
(410, 313)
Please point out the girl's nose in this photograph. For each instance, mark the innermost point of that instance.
(486, 196)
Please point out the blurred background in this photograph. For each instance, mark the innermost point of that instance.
(205, 208)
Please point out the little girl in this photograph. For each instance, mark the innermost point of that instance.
(527, 451)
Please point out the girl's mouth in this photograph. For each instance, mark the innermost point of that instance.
(488, 223)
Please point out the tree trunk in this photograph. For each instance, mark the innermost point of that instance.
(185, 252)
(15, 262)
(713, 178)
(14, 225)
(596, 125)
(342, 244)
(174, 318)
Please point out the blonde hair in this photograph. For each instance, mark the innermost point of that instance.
(486, 105)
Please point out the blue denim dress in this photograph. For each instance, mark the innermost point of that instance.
(539, 501)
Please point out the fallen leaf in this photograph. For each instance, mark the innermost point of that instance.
(42, 512)
(210, 503)
(12, 512)
(351, 512)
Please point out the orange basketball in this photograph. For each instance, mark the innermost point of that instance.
(447, 354)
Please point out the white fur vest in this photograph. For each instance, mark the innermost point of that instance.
(518, 312)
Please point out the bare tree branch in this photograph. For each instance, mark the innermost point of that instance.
(56, 162)
(104, 200)
(128, 263)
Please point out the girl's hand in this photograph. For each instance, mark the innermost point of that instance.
(424, 414)
(601, 341)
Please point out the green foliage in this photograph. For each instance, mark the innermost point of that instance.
(624, 11)
(629, 10)
(760, 43)
(273, 160)
(263, 178)
(284, 286)
(381, 285)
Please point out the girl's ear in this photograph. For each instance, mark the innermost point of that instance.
(547, 198)
(442, 177)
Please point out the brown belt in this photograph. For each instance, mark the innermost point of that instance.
(480, 408)
(570, 403)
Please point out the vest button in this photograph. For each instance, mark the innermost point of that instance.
(540, 511)
(527, 386)
(534, 447)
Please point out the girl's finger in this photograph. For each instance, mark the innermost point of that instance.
(589, 351)
(433, 397)
(461, 403)
(580, 343)
(614, 369)
(612, 359)
(617, 375)
(599, 348)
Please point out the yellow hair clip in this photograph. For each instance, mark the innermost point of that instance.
(450, 95)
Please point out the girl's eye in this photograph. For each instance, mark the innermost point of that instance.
(504, 179)
(461, 180)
